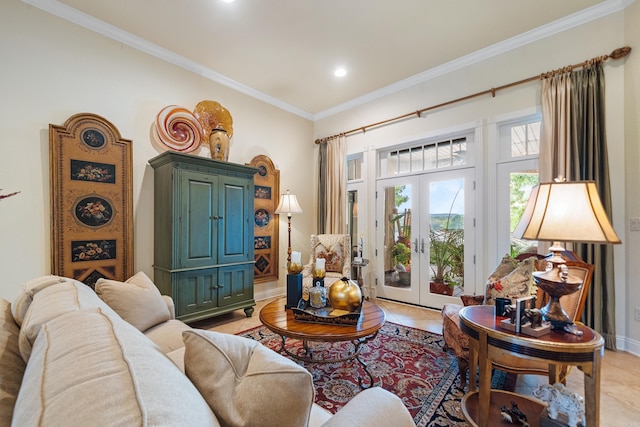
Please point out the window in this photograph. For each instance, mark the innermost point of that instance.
(354, 168)
(516, 174)
(521, 138)
(424, 156)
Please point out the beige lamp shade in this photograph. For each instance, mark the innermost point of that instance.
(288, 204)
(566, 212)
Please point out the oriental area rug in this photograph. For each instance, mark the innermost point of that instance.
(408, 362)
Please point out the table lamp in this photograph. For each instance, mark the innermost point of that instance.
(562, 211)
(289, 205)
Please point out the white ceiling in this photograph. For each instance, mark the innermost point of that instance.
(284, 51)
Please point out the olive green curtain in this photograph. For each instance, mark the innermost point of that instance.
(573, 145)
(332, 187)
(589, 138)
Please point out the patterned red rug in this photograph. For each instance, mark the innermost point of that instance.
(408, 362)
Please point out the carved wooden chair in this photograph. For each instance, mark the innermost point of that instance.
(573, 304)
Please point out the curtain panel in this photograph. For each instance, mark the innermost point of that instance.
(332, 186)
(573, 145)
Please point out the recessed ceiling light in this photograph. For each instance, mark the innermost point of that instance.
(228, 1)
(340, 72)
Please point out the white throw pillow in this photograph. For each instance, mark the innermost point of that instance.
(138, 300)
(246, 383)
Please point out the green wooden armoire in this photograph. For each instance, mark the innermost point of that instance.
(203, 234)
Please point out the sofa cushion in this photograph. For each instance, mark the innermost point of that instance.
(25, 295)
(54, 301)
(11, 364)
(245, 383)
(517, 284)
(90, 368)
(167, 335)
(137, 300)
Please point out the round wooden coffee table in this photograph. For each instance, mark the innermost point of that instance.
(282, 322)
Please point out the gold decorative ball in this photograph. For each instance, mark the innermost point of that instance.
(345, 294)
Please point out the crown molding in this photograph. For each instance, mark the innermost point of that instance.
(64, 11)
(89, 22)
(570, 21)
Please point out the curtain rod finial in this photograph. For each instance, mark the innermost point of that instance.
(620, 52)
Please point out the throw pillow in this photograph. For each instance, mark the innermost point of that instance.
(246, 383)
(138, 300)
(334, 259)
(506, 266)
(517, 284)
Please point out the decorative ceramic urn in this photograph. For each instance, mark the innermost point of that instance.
(345, 294)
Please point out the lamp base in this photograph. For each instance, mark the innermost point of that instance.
(557, 282)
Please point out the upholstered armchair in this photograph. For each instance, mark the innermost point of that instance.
(512, 279)
(336, 250)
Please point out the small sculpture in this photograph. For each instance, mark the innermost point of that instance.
(510, 312)
(535, 317)
(514, 414)
(561, 400)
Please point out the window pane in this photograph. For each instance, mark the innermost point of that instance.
(444, 154)
(520, 185)
(405, 161)
(392, 164)
(416, 159)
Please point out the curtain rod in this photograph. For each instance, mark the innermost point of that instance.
(616, 54)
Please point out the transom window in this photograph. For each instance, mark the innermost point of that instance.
(354, 168)
(425, 156)
(520, 138)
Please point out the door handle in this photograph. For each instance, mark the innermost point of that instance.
(415, 245)
(422, 245)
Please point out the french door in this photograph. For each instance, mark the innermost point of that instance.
(425, 231)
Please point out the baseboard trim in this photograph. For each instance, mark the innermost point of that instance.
(628, 345)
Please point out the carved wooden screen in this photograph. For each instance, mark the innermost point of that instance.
(91, 200)
(266, 222)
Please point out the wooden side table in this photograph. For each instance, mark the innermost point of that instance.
(488, 342)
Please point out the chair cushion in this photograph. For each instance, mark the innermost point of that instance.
(245, 383)
(333, 256)
(90, 368)
(11, 364)
(457, 340)
(137, 300)
(517, 284)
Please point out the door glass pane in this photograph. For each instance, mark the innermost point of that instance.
(397, 236)
(352, 212)
(520, 185)
(446, 236)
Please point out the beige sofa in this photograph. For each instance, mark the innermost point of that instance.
(70, 356)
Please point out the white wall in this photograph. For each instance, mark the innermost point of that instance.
(51, 69)
(569, 47)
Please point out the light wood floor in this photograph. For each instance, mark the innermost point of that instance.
(620, 375)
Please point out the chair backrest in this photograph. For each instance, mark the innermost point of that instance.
(573, 304)
(335, 248)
